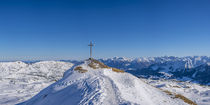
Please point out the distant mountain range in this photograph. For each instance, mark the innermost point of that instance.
(191, 68)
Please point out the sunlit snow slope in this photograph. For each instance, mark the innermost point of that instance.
(93, 83)
(20, 81)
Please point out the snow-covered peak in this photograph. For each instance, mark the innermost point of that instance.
(93, 83)
(7, 68)
(19, 81)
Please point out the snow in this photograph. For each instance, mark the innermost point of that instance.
(189, 64)
(20, 81)
(195, 92)
(101, 86)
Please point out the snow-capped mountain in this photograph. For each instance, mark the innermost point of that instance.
(195, 68)
(93, 83)
(20, 81)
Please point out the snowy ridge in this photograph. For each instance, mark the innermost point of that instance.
(197, 93)
(100, 86)
(8, 68)
(20, 81)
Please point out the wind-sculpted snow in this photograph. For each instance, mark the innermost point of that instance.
(196, 68)
(20, 81)
(100, 86)
(8, 68)
(195, 92)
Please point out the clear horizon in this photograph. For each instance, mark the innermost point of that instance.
(61, 29)
(8, 59)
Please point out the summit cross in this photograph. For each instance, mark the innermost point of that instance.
(91, 45)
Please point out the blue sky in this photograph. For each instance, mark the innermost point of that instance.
(50, 29)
